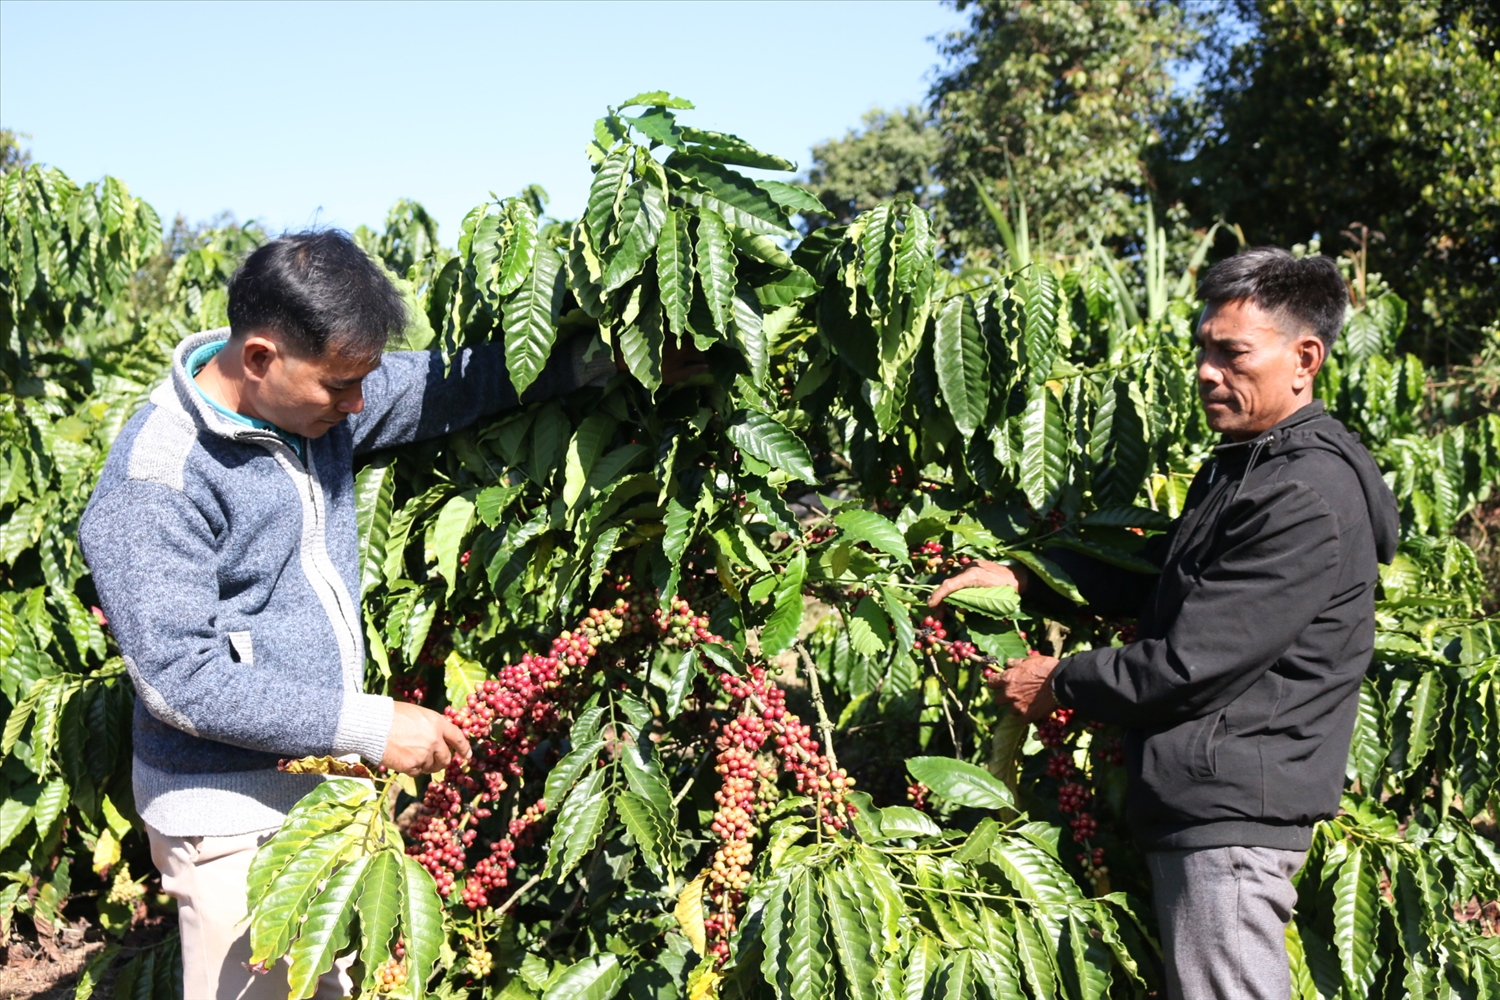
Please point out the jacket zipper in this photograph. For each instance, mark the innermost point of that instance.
(334, 583)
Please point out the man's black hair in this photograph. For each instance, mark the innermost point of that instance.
(1302, 294)
(318, 291)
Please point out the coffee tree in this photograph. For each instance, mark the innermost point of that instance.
(722, 748)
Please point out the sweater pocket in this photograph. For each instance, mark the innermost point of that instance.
(1203, 749)
(241, 648)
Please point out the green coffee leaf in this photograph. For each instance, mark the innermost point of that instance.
(1126, 516)
(997, 602)
(379, 906)
(750, 333)
(275, 919)
(640, 340)
(897, 822)
(529, 315)
(674, 270)
(1426, 706)
(728, 194)
(1084, 960)
(374, 493)
(1033, 873)
(656, 99)
(566, 772)
(453, 523)
(962, 363)
(807, 961)
(1042, 306)
(760, 436)
(786, 616)
(715, 258)
(329, 806)
(961, 782)
(1048, 572)
(791, 197)
(520, 252)
(652, 831)
(598, 977)
(731, 149)
(421, 923)
(869, 628)
(1035, 951)
(579, 823)
(1356, 912)
(610, 182)
(642, 211)
(868, 526)
(1044, 448)
(325, 933)
(852, 938)
(1120, 456)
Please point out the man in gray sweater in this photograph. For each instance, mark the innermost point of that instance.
(223, 544)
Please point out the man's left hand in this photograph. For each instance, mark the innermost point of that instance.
(1024, 687)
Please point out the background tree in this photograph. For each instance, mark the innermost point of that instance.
(1318, 115)
(894, 153)
(1071, 95)
(13, 156)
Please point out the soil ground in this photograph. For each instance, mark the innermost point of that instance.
(42, 967)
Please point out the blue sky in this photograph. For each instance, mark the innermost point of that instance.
(299, 114)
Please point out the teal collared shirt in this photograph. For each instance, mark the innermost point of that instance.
(195, 363)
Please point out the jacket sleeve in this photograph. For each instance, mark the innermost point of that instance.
(1276, 570)
(411, 398)
(155, 567)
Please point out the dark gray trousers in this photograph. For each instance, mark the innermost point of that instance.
(1223, 913)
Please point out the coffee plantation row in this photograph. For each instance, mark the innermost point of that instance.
(722, 747)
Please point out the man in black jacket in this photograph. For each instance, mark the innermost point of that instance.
(1240, 694)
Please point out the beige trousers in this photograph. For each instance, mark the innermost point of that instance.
(206, 875)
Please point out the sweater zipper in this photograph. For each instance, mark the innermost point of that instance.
(331, 575)
(318, 558)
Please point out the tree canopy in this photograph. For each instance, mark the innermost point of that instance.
(1293, 121)
(1337, 112)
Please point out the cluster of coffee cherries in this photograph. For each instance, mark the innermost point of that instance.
(822, 533)
(1094, 868)
(930, 557)
(504, 718)
(929, 554)
(684, 628)
(916, 794)
(960, 651)
(930, 635)
(1052, 732)
(124, 890)
(411, 689)
(391, 975)
(760, 717)
(1060, 766)
(1074, 797)
(479, 963)
(491, 873)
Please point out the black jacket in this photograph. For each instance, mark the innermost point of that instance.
(1241, 691)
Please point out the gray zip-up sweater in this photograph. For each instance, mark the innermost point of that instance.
(228, 569)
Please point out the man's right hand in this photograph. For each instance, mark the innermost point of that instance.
(982, 574)
(421, 741)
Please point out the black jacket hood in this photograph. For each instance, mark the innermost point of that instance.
(1312, 428)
